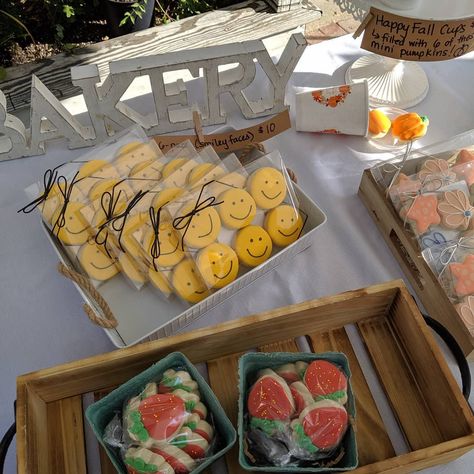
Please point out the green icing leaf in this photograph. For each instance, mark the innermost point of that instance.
(303, 440)
(189, 405)
(180, 441)
(175, 383)
(137, 427)
(267, 426)
(140, 465)
(192, 425)
(336, 396)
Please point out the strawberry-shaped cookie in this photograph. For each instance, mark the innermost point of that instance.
(288, 372)
(181, 462)
(325, 380)
(155, 418)
(301, 395)
(320, 427)
(191, 443)
(144, 461)
(173, 380)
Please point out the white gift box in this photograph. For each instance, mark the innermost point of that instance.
(338, 110)
(145, 316)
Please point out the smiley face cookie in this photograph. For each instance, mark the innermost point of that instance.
(218, 265)
(283, 224)
(169, 240)
(223, 183)
(177, 179)
(95, 261)
(253, 245)
(159, 279)
(132, 154)
(75, 230)
(93, 172)
(131, 269)
(267, 186)
(188, 283)
(132, 224)
(198, 172)
(145, 175)
(166, 196)
(172, 166)
(237, 208)
(203, 228)
(213, 174)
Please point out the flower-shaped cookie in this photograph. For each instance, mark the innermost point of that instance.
(422, 212)
(465, 156)
(466, 311)
(455, 210)
(464, 274)
(436, 173)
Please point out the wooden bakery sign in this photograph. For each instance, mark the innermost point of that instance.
(412, 39)
(50, 120)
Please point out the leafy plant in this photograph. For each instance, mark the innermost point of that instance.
(137, 10)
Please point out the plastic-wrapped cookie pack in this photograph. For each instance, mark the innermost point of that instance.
(165, 420)
(223, 228)
(296, 411)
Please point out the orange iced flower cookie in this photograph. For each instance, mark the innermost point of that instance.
(455, 210)
(464, 276)
(422, 212)
(466, 311)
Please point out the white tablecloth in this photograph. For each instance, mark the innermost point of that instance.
(42, 323)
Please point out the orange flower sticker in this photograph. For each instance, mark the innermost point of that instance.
(334, 100)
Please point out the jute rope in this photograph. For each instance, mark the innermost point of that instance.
(108, 320)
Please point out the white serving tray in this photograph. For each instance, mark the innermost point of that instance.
(145, 315)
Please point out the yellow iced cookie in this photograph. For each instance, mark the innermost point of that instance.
(75, 230)
(198, 172)
(49, 207)
(131, 269)
(267, 186)
(170, 250)
(160, 281)
(145, 175)
(95, 261)
(253, 245)
(218, 265)
(132, 224)
(166, 196)
(93, 172)
(237, 208)
(188, 283)
(133, 153)
(177, 179)
(213, 174)
(172, 166)
(283, 224)
(203, 228)
(230, 180)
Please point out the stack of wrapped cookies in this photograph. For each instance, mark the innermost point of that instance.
(186, 222)
(296, 414)
(436, 203)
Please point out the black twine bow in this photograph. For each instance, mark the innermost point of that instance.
(49, 178)
(183, 222)
(108, 203)
(118, 221)
(155, 250)
(65, 189)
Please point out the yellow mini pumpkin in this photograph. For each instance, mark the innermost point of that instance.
(379, 124)
(410, 126)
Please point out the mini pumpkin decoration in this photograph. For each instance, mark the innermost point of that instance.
(379, 124)
(410, 126)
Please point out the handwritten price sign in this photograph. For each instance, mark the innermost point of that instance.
(232, 140)
(417, 40)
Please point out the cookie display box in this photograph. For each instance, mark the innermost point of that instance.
(404, 246)
(144, 315)
(403, 424)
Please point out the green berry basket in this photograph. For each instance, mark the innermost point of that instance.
(251, 363)
(99, 414)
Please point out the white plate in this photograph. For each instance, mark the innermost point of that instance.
(388, 142)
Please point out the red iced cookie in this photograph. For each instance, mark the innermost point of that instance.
(326, 381)
(288, 372)
(301, 396)
(324, 423)
(270, 398)
(162, 415)
(180, 461)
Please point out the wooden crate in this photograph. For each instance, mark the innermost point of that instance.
(432, 414)
(407, 251)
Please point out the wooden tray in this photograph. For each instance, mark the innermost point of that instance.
(432, 415)
(406, 250)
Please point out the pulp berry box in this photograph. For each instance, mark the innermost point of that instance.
(102, 412)
(145, 315)
(250, 364)
(403, 243)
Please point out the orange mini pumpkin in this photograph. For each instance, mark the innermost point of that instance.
(410, 126)
(379, 123)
